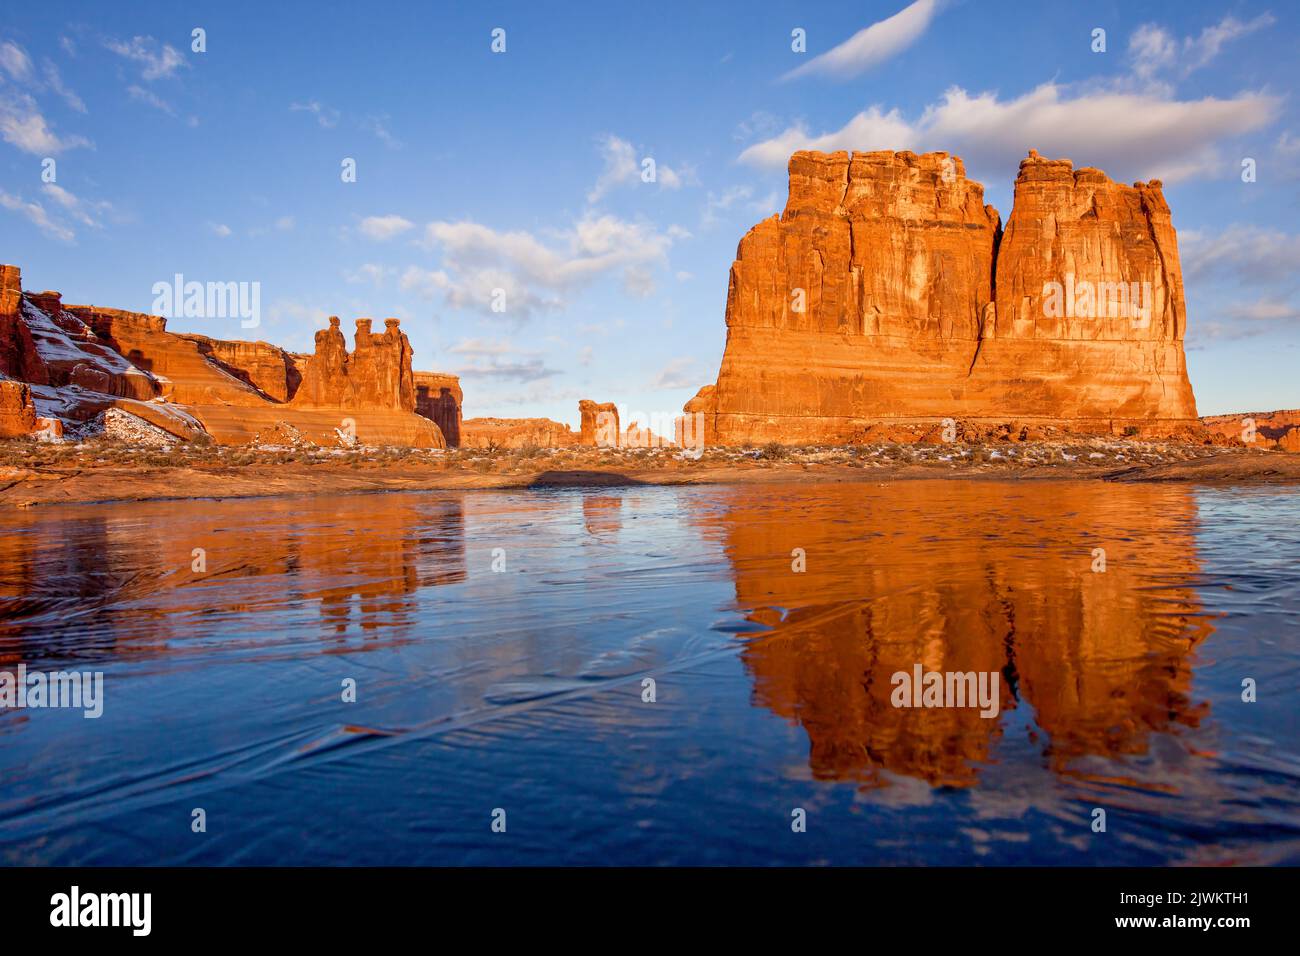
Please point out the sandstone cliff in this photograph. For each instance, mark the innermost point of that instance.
(515, 433)
(70, 363)
(1279, 429)
(886, 290)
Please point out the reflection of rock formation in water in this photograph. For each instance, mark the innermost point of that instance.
(359, 558)
(968, 577)
(602, 514)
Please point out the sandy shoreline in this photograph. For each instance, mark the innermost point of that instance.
(37, 475)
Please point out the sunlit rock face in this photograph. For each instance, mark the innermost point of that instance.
(599, 423)
(1100, 653)
(887, 290)
(515, 433)
(69, 363)
(1090, 310)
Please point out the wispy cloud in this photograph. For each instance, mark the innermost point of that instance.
(676, 374)
(23, 125)
(378, 126)
(150, 98)
(872, 45)
(479, 263)
(55, 82)
(36, 214)
(157, 61)
(1154, 51)
(1127, 134)
(384, 227)
(326, 118)
(500, 360)
(623, 167)
(1133, 126)
(15, 61)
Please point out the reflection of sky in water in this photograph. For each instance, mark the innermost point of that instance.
(522, 689)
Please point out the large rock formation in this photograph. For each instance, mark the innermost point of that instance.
(376, 375)
(183, 369)
(515, 433)
(438, 397)
(887, 291)
(79, 361)
(1266, 430)
(599, 423)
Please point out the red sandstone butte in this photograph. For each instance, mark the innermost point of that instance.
(599, 424)
(887, 291)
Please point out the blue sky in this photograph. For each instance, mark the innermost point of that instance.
(521, 170)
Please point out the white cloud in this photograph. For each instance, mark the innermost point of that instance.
(623, 168)
(384, 227)
(150, 98)
(15, 61)
(85, 212)
(35, 213)
(1154, 51)
(476, 260)
(870, 129)
(872, 45)
(481, 347)
(56, 83)
(378, 125)
(369, 272)
(1246, 254)
(158, 62)
(325, 117)
(1132, 126)
(22, 125)
(221, 229)
(675, 375)
(499, 360)
(1129, 135)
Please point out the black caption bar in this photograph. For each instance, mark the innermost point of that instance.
(176, 905)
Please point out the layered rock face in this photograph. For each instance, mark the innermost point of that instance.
(438, 397)
(515, 433)
(183, 368)
(268, 368)
(17, 410)
(1268, 430)
(1090, 310)
(887, 291)
(78, 361)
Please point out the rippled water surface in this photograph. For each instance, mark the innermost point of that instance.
(522, 689)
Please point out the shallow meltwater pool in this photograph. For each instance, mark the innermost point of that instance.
(644, 675)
